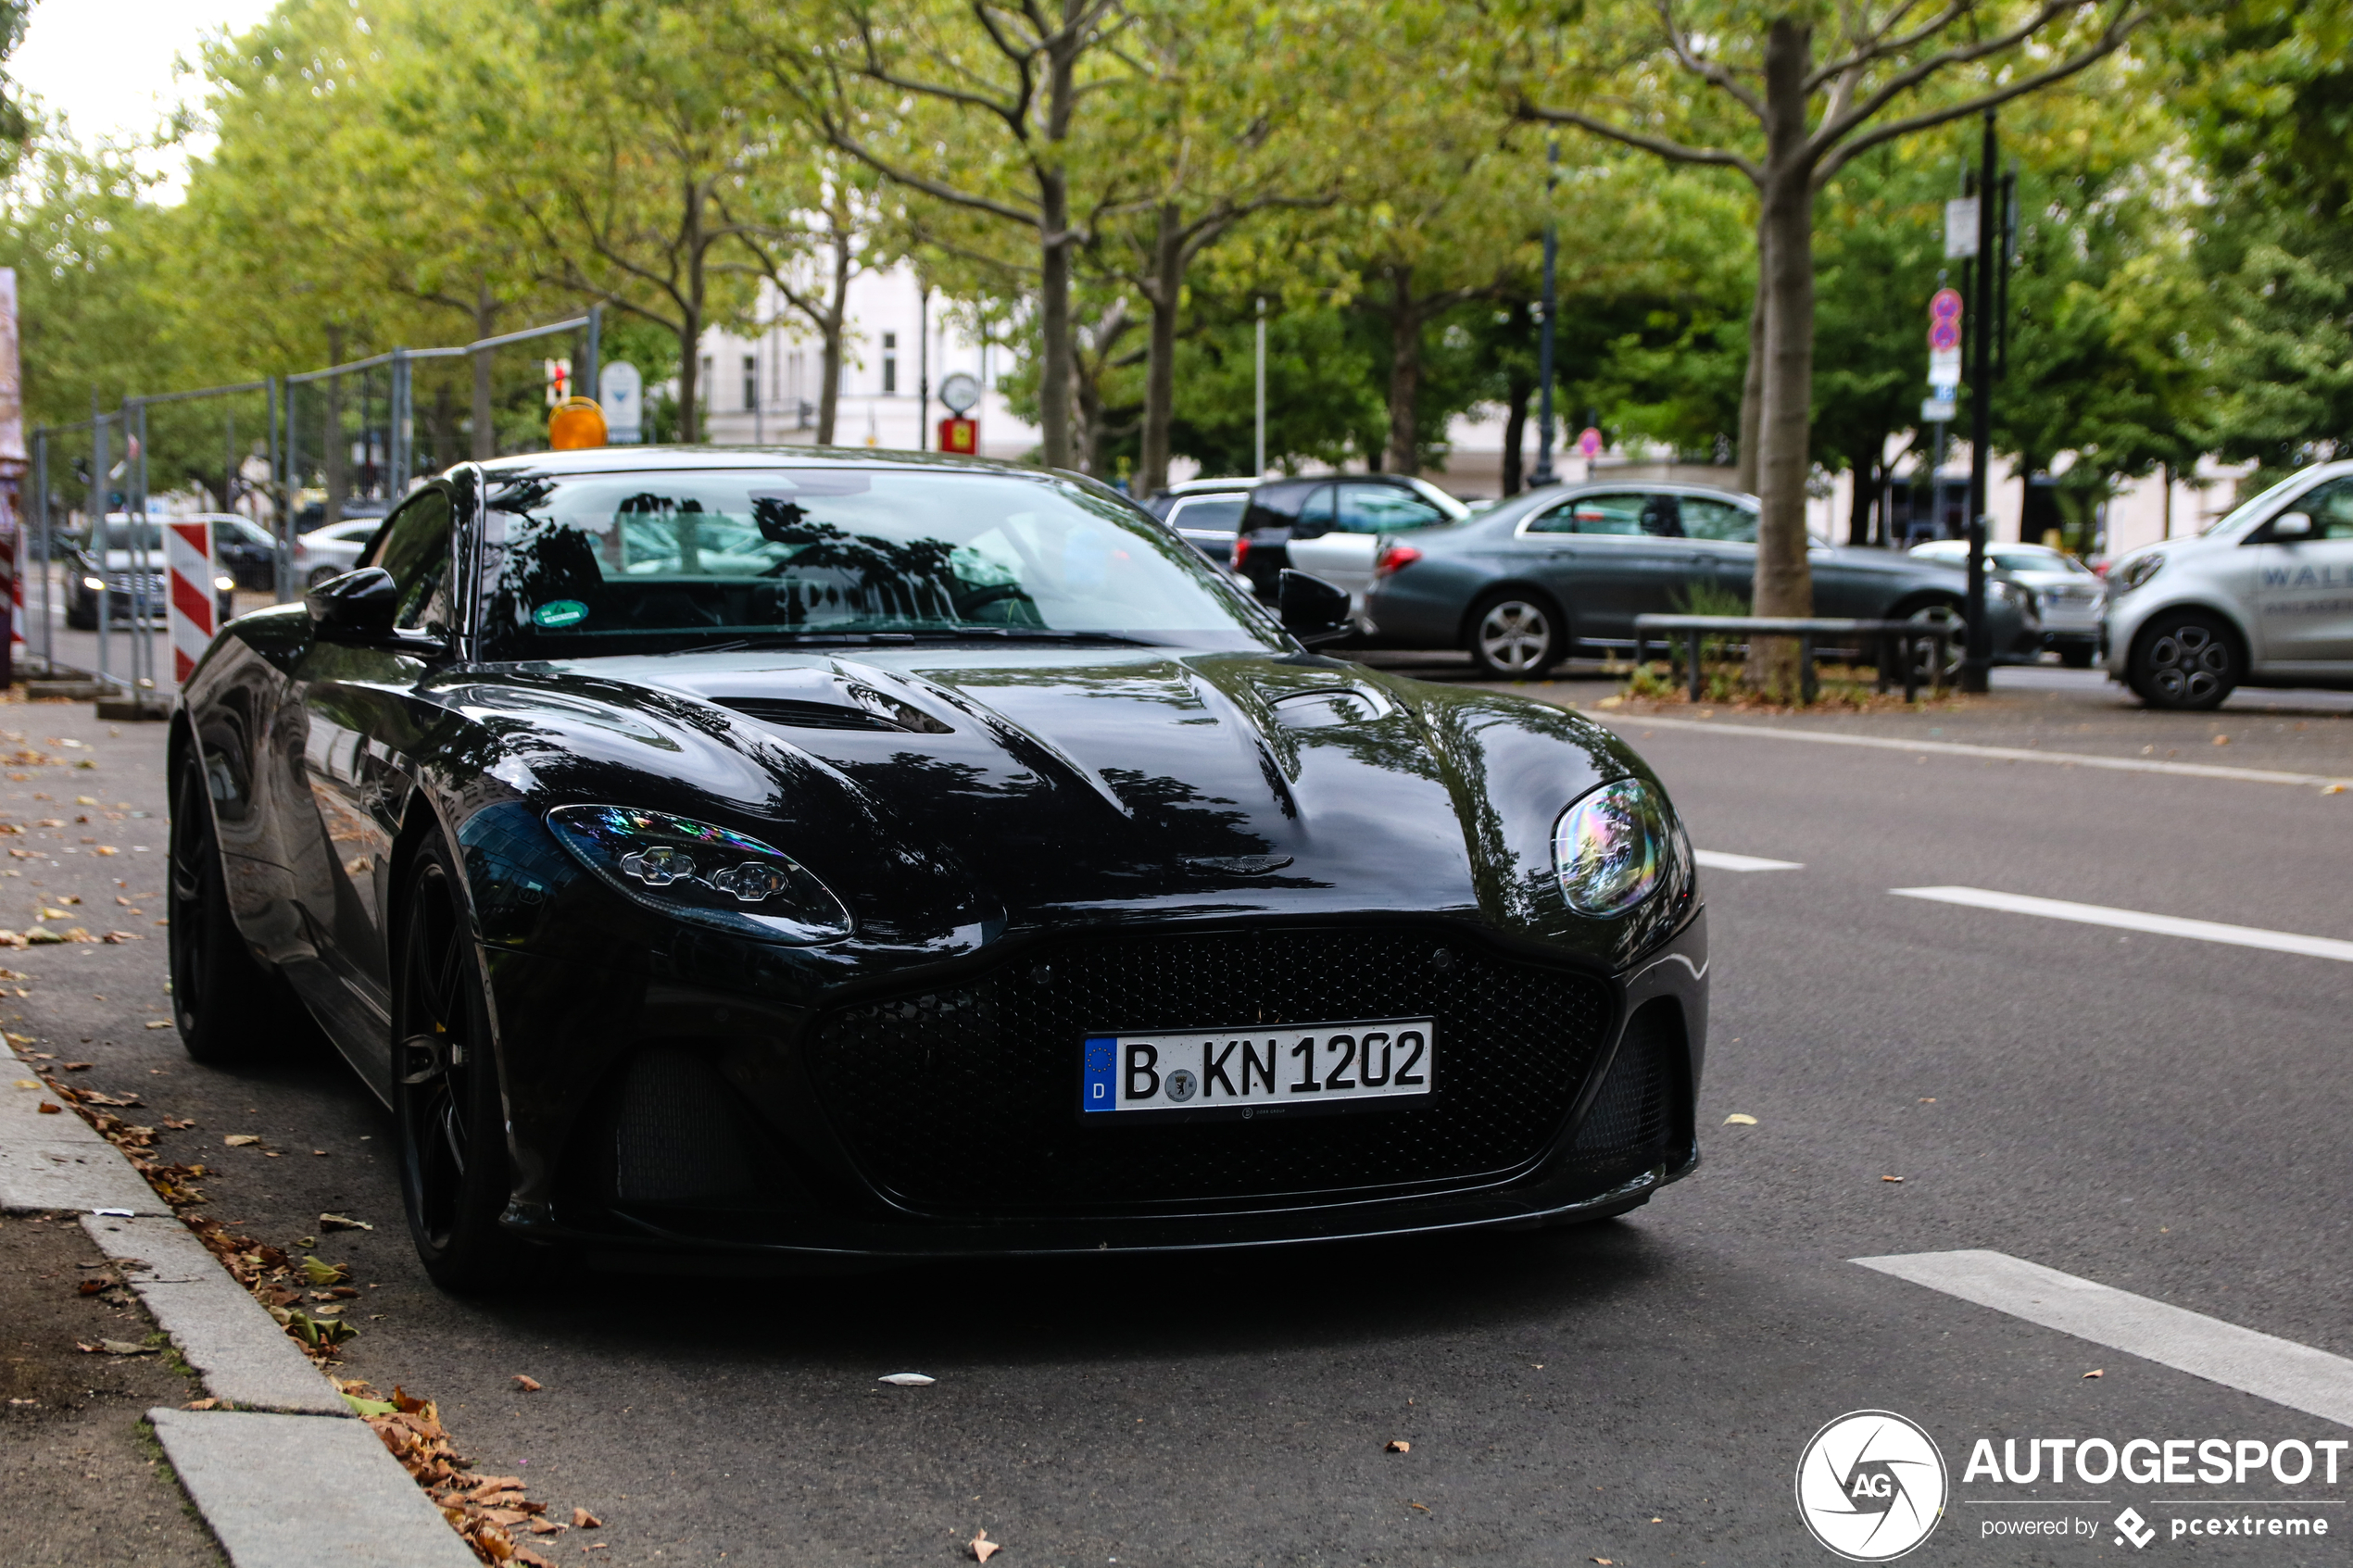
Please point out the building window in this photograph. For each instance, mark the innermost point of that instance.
(890, 364)
(751, 381)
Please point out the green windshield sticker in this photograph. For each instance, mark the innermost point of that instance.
(560, 612)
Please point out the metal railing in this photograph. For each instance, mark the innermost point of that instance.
(1896, 644)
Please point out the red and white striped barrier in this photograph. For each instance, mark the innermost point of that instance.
(188, 590)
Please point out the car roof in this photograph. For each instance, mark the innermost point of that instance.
(1206, 487)
(629, 459)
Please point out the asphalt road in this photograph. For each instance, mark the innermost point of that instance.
(2160, 1115)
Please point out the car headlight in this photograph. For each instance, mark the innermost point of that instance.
(1615, 846)
(695, 872)
(95, 585)
(224, 582)
(2137, 570)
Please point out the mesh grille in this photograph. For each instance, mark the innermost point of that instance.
(965, 1100)
(674, 1136)
(1629, 1125)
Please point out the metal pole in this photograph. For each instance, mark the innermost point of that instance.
(281, 510)
(590, 356)
(98, 529)
(397, 437)
(142, 607)
(41, 484)
(923, 368)
(1258, 426)
(1977, 659)
(291, 488)
(1544, 474)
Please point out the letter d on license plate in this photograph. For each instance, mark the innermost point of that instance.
(1303, 1067)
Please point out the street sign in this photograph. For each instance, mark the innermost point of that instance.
(1960, 228)
(961, 392)
(959, 435)
(1589, 444)
(1938, 411)
(622, 390)
(1945, 340)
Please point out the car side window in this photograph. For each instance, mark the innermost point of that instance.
(1724, 521)
(1383, 508)
(1598, 514)
(1221, 513)
(2331, 508)
(1315, 515)
(415, 549)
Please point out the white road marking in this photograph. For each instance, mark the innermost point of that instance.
(2133, 919)
(2278, 1370)
(1718, 859)
(1994, 753)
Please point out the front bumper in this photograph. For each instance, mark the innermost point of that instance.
(804, 1184)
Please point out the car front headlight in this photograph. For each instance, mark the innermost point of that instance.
(224, 582)
(705, 874)
(95, 585)
(1615, 846)
(2137, 570)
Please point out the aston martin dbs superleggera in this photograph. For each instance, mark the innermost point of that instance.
(801, 856)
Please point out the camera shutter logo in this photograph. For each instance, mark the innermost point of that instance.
(1871, 1485)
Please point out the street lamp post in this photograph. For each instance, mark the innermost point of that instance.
(1544, 474)
(1978, 659)
(1258, 448)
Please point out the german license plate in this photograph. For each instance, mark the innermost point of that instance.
(1303, 1067)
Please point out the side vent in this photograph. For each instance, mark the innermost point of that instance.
(678, 1137)
(1629, 1125)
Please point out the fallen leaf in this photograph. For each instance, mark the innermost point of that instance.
(982, 1548)
(583, 1520)
(160, 1024)
(1398, 1445)
(242, 1140)
(1423, 1507)
(524, 1554)
(1736, 1120)
(343, 1223)
(907, 1380)
(1891, 1178)
(95, 1098)
(76, 1066)
(1603, 1561)
(548, 1527)
(125, 1348)
(492, 1485)
(177, 1123)
(200, 1404)
(94, 1284)
(45, 1109)
(2097, 1372)
(323, 1274)
(528, 1384)
(2222, 740)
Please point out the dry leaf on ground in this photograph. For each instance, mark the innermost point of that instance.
(343, 1223)
(2097, 1372)
(1398, 1445)
(528, 1384)
(1738, 1120)
(583, 1520)
(982, 1548)
(242, 1140)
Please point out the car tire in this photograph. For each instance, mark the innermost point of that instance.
(229, 1009)
(2185, 660)
(450, 1124)
(1513, 634)
(1923, 655)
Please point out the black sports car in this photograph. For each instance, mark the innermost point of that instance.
(803, 856)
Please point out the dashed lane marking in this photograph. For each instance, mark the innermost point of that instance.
(2134, 920)
(2269, 1368)
(1995, 753)
(1718, 859)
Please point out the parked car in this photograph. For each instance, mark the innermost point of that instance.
(1332, 527)
(313, 513)
(2067, 595)
(2264, 597)
(1521, 585)
(693, 847)
(1206, 513)
(127, 566)
(331, 551)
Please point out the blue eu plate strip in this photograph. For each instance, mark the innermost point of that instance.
(1102, 1091)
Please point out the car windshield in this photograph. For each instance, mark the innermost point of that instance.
(724, 556)
(2247, 510)
(134, 537)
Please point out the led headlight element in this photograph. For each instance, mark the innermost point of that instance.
(697, 872)
(1613, 848)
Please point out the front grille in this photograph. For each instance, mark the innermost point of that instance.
(964, 1098)
(150, 583)
(1627, 1128)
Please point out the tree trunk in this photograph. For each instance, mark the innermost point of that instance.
(1404, 373)
(837, 311)
(1055, 368)
(486, 427)
(1160, 358)
(1752, 379)
(690, 321)
(335, 446)
(1865, 467)
(1519, 383)
(1784, 584)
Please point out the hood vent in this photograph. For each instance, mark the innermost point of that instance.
(873, 710)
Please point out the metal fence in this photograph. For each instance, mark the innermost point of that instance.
(319, 447)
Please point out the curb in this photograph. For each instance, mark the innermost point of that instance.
(289, 1477)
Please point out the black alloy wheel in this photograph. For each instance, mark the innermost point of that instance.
(446, 1098)
(2186, 661)
(1515, 635)
(227, 1006)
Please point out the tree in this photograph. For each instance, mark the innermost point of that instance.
(1889, 73)
(809, 237)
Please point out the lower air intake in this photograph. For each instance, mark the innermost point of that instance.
(1630, 1121)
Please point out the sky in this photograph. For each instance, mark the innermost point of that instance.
(106, 65)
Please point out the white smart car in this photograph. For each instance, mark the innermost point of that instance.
(2263, 597)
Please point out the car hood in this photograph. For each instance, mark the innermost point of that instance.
(970, 793)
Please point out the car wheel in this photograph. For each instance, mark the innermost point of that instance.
(1515, 635)
(2185, 659)
(2077, 656)
(1924, 653)
(446, 1101)
(229, 1007)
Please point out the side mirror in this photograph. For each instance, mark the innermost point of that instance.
(2290, 526)
(359, 605)
(1312, 609)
